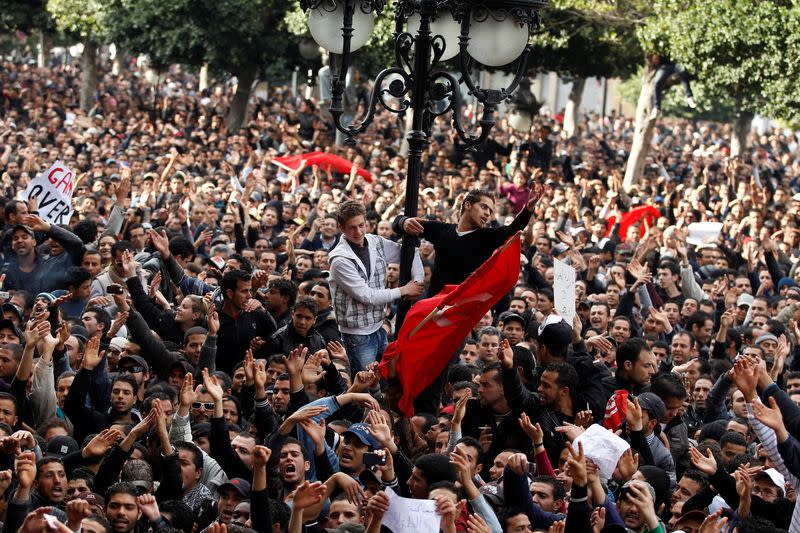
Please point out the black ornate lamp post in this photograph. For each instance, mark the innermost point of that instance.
(489, 32)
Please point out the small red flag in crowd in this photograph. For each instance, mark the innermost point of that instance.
(435, 327)
(616, 409)
(647, 212)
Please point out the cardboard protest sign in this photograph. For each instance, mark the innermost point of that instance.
(564, 290)
(53, 192)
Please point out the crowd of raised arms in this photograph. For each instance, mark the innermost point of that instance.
(196, 348)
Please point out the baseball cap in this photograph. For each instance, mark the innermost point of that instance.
(776, 477)
(61, 446)
(7, 324)
(138, 360)
(513, 317)
(555, 334)
(653, 405)
(94, 499)
(691, 516)
(744, 300)
(361, 430)
(80, 332)
(183, 364)
(11, 308)
(24, 228)
(560, 248)
(239, 485)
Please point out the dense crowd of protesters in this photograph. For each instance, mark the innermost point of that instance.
(195, 350)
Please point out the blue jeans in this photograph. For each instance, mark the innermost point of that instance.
(364, 349)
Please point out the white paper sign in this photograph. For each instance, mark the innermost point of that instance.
(564, 290)
(407, 515)
(603, 447)
(53, 192)
(703, 232)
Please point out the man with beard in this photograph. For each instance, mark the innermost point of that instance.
(122, 510)
(42, 484)
(280, 395)
(123, 397)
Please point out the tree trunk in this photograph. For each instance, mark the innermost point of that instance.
(573, 105)
(88, 74)
(741, 129)
(45, 43)
(643, 132)
(120, 58)
(202, 83)
(237, 113)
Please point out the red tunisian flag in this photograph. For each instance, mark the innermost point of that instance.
(647, 212)
(435, 327)
(322, 160)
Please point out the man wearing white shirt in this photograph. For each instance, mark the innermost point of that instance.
(358, 267)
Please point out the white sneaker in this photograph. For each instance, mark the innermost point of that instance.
(654, 113)
(692, 102)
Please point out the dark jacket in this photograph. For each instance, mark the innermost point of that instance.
(235, 335)
(287, 339)
(162, 322)
(50, 272)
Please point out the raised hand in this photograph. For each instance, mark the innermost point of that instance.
(771, 417)
(91, 353)
(460, 409)
(261, 455)
(571, 431)
(506, 354)
(628, 465)
(533, 431)
(149, 506)
(704, 463)
(296, 360)
(25, 469)
(249, 367)
(557, 527)
(518, 463)
(576, 465)
(308, 494)
(213, 321)
(128, 264)
(101, 443)
(713, 524)
(77, 510)
(316, 432)
(214, 389)
(598, 519)
(379, 428)
(337, 351)
(376, 507)
(633, 416)
(745, 376)
(187, 394)
(476, 524)
(160, 242)
(584, 419)
(537, 191)
(35, 223)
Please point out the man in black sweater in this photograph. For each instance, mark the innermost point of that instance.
(460, 249)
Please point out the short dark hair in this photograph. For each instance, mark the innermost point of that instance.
(101, 315)
(122, 487)
(180, 515)
(285, 288)
(559, 492)
(180, 246)
(122, 246)
(197, 455)
(472, 442)
(126, 378)
(11, 398)
(567, 375)
(306, 302)
(698, 318)
(436, 467)
(245, 263)
(76, 276)
(474, 196)
(508, 513)
(630, 349)
(668, 385)
(734, 438)
(230, 281)
(46, 461)
(673, 267)
(492, 368)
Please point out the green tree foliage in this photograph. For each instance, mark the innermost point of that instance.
(578, 44)
(25, 15)
(736, 51)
